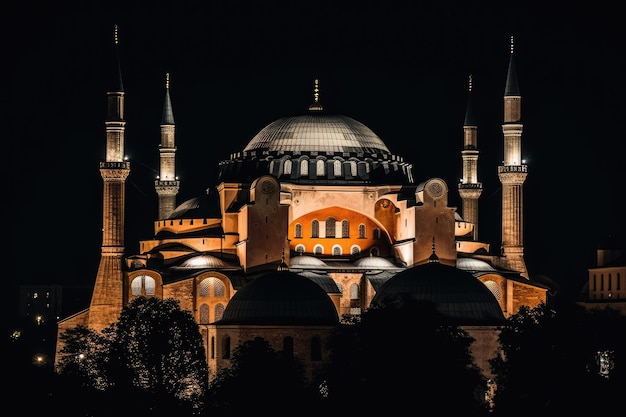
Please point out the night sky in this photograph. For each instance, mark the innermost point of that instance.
(401, 68)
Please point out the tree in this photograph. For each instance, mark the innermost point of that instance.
(150, 361)
(407, 355)
(549, 360)
(260, 379)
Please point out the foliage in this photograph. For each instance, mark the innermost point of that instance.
(405, 353)
(548, 361)
(151, 360)
(260, 379)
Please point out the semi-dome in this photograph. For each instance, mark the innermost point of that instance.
(280, 298)
(455, 293)
(329, 134)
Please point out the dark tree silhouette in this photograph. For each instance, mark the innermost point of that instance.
(405, 356)
(550, 362)
(151, 361)
(261, 379)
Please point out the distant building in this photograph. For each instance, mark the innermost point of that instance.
(321, 197)
(606, 286)
(40, 303)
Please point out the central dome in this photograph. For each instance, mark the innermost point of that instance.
(329, 134)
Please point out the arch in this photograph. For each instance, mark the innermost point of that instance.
(337, 250)
(304, 167)
(143, 285)
(226, 347)
(300, 248)
(204, 313)
(318, 249)
(315, 228)
(320, 166)
(298, 231)
(287, 167)
(330, 227)
(337, 168)
(219, 311)
(362, 231)
(354, 291)
(345, 228)
(355, 249)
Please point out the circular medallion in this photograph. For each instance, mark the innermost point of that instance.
(268, 186)
(435, 189)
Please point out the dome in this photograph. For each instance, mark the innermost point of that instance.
(306, 261)
(330, 134)
(317, 148)
(374, 262)
(202, 262)
(455, 293)
(280, 298)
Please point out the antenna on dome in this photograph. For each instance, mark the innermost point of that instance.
(316, 106)
(433, 256)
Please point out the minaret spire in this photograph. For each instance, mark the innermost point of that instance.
(469, 187)
(106, 300)
(167, 183)
(512, 174)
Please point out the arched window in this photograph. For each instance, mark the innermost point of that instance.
(316, 348)
(337, 250)
(298, 230)
(211, 282)
(219, 311)
(345, 228)
(304, 167)
(226, 348)
(355, 249)
(204, 314)
(300, 248)
(212, 347)
(374, 251)
(318, 250)
(353, 168)
(319, 168)
(354, 292)
(337, 168)
(143, 285)
(288, 346)
(315, 228)
(330, 227)
(361, 231)
(287, 167)
(376, 234)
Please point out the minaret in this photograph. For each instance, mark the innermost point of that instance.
(469, 187)
(512, 175)
(107, 297)
(167, 184)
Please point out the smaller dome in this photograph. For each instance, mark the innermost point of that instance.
(280, 298)
(474, 265)
(455, 293)
(202, 262)
(374, 262)
(306, 261)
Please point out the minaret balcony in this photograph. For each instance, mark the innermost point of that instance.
(512, 168)
(115, 165)
(471, 186)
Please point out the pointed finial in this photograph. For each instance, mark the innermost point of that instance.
(316, 97)
(283, 265)
(116, 39)
(167, 80)
(433, 256)
(512, 45)
(469, 83)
